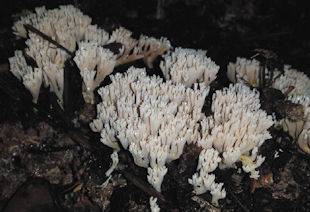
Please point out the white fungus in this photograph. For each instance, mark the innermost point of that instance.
(155, 119)
(294, 84)
(153, 204)
(299, 129)
(244, 70)
(68, 26)
(237, 127)
(203, 181)
(188, 66)
(150, 118)
(249, 72)
(292, 77)
(88, 57)
(31, 78)
(130, 51)
(156, 176)
(152, 47)
(115, 160)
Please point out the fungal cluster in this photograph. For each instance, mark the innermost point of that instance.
(295, 85)
(154, 118)
(71, 29)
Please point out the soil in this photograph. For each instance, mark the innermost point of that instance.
(44, 154)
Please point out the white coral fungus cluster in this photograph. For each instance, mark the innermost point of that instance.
(247, 71)
(203, 181)
(67, 25)
(293, 83)
(155, 119)
(236, 130)
(31, 78)
(188, 66)
(244, 70)
(153, 205)
(238, 125)
(300, 94)
(87, 57)
(292, 77)
(152, 47)
(150, 118)
(50, 62)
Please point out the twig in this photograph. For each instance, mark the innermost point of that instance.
(143, 186)
(244, 208)
(46, 37)
(80, 139)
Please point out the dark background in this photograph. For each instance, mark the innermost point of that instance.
(226, 29)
